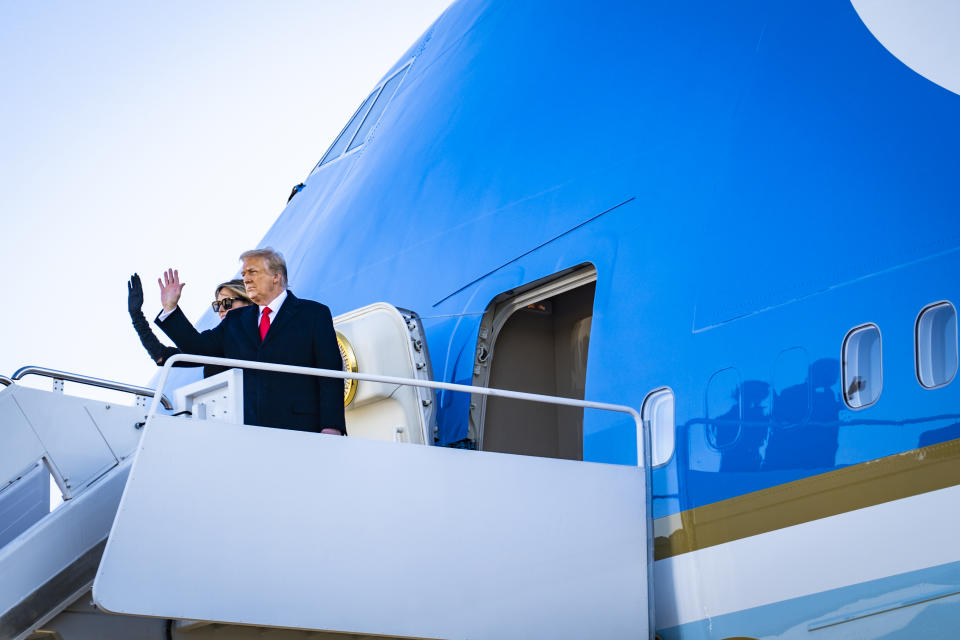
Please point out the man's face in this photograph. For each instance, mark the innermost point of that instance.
(262, 286)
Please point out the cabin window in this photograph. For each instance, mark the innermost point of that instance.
(862, 366)
(724, 408)
(936, 345)
(658, 419)
(535, 339)
(356, 131)
(791, 387)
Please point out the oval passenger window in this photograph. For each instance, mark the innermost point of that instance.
(658, 417)
(936, 345)
(862, 367)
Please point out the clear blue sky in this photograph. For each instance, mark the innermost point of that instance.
(146, 134)
(140, 135)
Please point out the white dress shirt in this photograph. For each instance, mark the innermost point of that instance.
(274, 307)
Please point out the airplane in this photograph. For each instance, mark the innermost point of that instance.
(740, 220)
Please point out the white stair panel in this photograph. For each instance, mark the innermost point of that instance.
(24, 502)
(278, 528)
(69, 435)
(21, 449)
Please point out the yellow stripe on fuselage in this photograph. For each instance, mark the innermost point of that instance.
(862, 485)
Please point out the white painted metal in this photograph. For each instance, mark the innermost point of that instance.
(74, 447)
(818, 556)
(53, 543)
(218, 397)
(21, 448)
(659, 422)
(80, 441)
(520, 546)
(381, 339)
(422, 370)
(117, 424)
(79, 438)
(922, 34)
(24, 502)
(391, 545)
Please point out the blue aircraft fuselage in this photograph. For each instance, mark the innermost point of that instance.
(750, 182)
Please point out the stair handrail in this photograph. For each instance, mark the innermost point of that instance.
(643, 448)
(91, 381)
(5, 381)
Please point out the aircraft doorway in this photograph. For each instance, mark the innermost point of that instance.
(535, 339)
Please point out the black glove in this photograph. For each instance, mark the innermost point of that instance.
(134, 295)
(158, 351)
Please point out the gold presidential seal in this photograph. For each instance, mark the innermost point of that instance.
(349, 357)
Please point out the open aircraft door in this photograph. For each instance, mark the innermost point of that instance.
(381, 339)
(239, 525)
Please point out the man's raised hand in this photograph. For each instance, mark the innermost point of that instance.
(170, 289)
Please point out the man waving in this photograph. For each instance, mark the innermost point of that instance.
(278, 327)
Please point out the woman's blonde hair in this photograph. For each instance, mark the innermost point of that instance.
(236, 287)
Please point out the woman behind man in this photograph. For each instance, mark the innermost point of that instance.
(228, 295)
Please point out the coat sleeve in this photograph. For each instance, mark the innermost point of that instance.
(158, 351)
(188, 339)
(326, 355)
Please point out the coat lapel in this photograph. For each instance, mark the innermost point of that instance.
(250, 328)
(288, 309)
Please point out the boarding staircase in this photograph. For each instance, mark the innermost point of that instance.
(48, 558)
(173, 526)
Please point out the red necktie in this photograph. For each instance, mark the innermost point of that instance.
(264, 323)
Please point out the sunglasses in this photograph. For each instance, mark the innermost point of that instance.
(226, 303)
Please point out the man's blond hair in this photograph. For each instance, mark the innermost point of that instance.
(273, 259)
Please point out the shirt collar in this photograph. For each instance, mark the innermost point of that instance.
(275, 303)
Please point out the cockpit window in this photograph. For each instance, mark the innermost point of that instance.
(347, 134)
(377, 109)
(363, 121)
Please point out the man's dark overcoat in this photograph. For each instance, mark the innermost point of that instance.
(302, 334)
